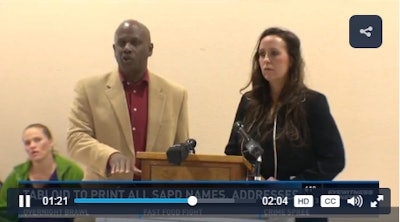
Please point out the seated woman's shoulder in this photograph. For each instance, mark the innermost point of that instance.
(63, 161)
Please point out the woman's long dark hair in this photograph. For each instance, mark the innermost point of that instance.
(291, 99)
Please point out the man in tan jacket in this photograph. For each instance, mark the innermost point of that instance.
(125, 111)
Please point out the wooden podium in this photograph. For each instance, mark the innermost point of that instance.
(155, 166)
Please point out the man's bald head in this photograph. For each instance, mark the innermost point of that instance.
(133, 24)
(132, 47)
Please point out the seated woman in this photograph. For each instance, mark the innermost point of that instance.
(43, 164)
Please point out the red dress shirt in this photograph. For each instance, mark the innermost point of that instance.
(137, 95)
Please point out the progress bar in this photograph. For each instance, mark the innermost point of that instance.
(192, 201)
(130, 200)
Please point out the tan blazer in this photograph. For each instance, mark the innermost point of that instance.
(100, 124)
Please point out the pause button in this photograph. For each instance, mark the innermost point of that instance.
(24, 201)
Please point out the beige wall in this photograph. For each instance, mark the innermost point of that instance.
(206, 45)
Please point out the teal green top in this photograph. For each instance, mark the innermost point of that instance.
(66, 170)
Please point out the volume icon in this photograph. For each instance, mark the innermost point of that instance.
(24, 201)
(356, 201)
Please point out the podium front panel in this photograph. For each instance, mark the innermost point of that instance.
(196, 167)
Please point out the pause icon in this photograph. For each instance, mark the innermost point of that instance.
(24, 201)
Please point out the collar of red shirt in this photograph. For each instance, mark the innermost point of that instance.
(144, 79)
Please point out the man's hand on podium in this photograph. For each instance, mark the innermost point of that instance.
(118, 163)
(137, 171)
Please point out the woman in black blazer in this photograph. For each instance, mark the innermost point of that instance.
(292, 123)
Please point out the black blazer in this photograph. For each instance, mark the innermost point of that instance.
(324, 157)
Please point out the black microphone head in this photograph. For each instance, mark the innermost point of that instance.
(237, 125)
(177, 153)
(191, 142)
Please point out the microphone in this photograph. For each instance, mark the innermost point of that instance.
(253, 152)
(239, 128)
(180, 151)
(253, 149)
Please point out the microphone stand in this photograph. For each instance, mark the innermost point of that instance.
(257, 169)
(192, 150)
(254, 151)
